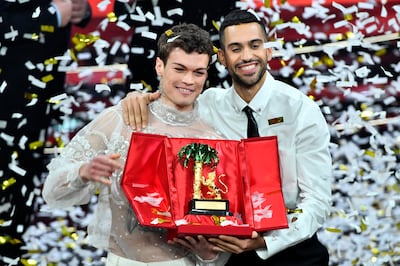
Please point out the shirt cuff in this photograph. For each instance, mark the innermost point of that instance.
(262, 253)
(75, 181)
(78, 183)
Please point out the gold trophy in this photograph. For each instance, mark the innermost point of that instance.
(212, 204)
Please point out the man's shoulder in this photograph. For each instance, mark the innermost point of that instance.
(216, 91)
(284, 86)
(289, 91)
(214, 94)
(287, 95)
(211, 100)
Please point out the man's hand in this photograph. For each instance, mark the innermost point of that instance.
(134, 108)
(100, 168)
(236, 245)
(200, 246)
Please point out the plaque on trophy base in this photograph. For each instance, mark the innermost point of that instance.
(210, 207)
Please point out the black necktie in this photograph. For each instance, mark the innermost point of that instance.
(252, 129)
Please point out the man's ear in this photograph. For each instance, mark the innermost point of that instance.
(269, 54)
(221, 57)
(159, 66)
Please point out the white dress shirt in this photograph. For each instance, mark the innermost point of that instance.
(303, 139)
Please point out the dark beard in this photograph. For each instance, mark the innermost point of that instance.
(248, 85)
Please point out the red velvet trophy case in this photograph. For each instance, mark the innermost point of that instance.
(205, 186)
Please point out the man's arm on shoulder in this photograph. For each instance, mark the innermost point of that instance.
(134, 108)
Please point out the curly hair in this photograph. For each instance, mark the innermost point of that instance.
(188, 37)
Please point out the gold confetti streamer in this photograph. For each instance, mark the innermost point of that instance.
(36, 145)
(29, 262)
(215, 24)
(8, 239)
(296, 19)
(339, 37)
(81, 41)
(349, 35)
(278, 22)
(35, 36)
(68, 231)
(60, 142)
(348, 17)
(289, 211)
(70, 245)
(215, 49)
(313, 85)
(73, 55)
(169, 32)
(370, 153)
(381, 52)
(363, 225)
(147, 86)
(299, 72)
(30, 96)
(50, 61)
(47, 28)
(333, 230)
(328, 61)
(48, 78)
(7, 183)
(112, 17)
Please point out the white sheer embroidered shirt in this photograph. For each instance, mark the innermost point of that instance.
(114, 226)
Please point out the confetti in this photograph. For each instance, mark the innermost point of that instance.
(345, 57)
(7, 183)
(150, 35)
(3, 86)
(99, 88)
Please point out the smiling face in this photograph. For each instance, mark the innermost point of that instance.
(245, 57)
(182, 78)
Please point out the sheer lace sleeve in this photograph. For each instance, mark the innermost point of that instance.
(63, 186)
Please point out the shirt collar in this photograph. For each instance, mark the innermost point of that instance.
(260, 100)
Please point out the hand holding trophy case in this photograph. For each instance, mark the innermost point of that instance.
(204, 186)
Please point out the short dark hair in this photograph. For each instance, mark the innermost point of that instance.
(237, 17)
(188, 37)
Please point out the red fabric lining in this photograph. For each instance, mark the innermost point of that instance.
(249, 168)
